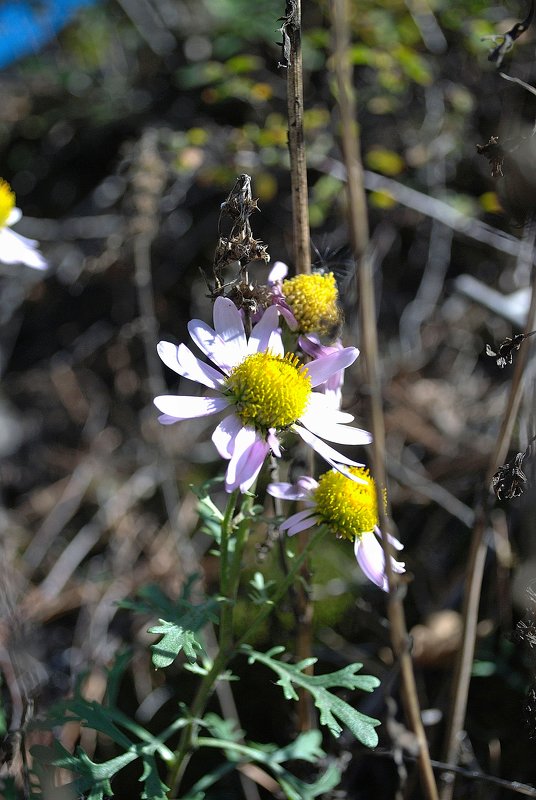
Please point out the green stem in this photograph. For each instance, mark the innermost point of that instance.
(226, 530)
(230, 570)
(227, 649)
(284, 586)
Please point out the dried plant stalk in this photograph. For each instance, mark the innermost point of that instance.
(358, 222)
(477, 554)
(292, 60)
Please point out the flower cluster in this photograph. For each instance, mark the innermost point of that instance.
(14, 248)
(265, 393)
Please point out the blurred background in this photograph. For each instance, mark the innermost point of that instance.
(123, 125)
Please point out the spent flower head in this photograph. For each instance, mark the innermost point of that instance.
(14, 248)
(263, 391)
(349, 508)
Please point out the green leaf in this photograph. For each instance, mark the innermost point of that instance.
(174, 639)
(179, 632)
(179, 621)
(329, 704)
(153, 787)
(260, 589)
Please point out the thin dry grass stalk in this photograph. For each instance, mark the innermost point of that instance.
(479, 546)
(358, 223)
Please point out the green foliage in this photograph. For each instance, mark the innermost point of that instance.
(134, 742)
(180, 622)
(306, 747)
(329, 705)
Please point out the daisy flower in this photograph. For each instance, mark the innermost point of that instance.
(263, 392)
(14, 248)
(313, 300)
(349, 508)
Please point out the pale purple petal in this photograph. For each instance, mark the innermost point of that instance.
(310, 343)
(330, 455)
(321, 369)
(286, 313)
(300, 522)
(165, 419)
(321, 425)
(262, 338)
(17, 249)
(181, 359)
(249, 454)
(225, 434)
(278, 272)
(189, 407)
(230, 328)
(286, 491)
(307, 483)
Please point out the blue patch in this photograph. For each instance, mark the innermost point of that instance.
(27, 25)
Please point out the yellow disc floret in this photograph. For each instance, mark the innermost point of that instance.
(7, 202)
(313, 301)
(349, 508)
(269, 391)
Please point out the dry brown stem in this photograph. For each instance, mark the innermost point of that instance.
(358, 222)
(477, 555)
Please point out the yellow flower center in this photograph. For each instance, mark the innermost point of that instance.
(269, 391)
(313, 301)
(7, 202)
(348, 507)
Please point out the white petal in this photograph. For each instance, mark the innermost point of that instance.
(211, 345)
(225, 434)
(328, 453)
(369, 554)
(189, 407)
(323, 368)
(392, 540)
(320, 404)
(278, 272)
(229, 326)
(181, 359)
(17, 249)
(273, 443)
(261, 335)
(14, 216)
(342, 434)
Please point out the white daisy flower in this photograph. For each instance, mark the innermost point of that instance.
(349, 508)
(14, 248)
(263, 391)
